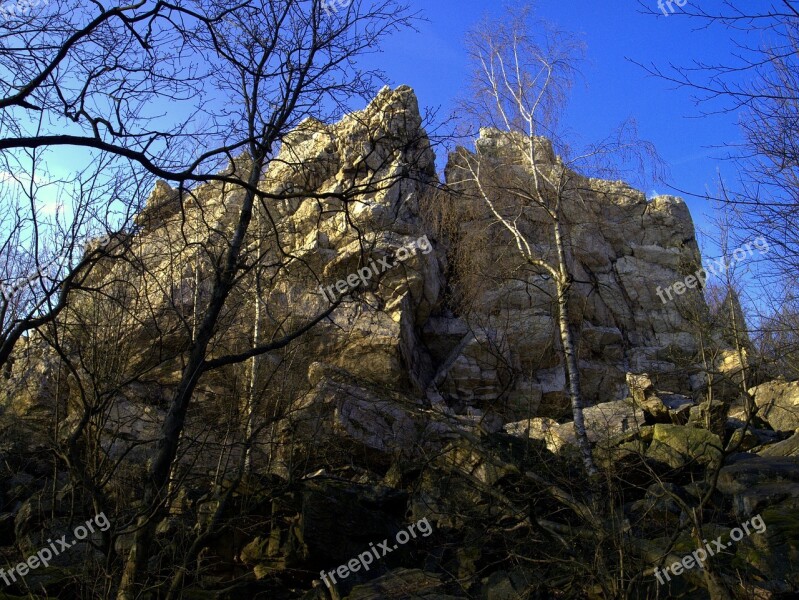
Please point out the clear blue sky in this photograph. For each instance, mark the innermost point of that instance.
(434, 63)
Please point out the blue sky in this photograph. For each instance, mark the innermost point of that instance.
(434, 62)
(612, 89)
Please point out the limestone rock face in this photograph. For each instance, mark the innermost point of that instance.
(625, 251)
(351, 218)
(384, 151)
(36, 382)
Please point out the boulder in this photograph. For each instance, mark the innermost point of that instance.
(773, 555)
(335, 418)
(659, 407)
(475, 462)
(680, 446)
(748, 438)
(756, 482)
(400, 584)
(503, 585)
(785, 448)
(778, 403)
(660, 505)
(602, 422)
(641, 387)
(710, 415)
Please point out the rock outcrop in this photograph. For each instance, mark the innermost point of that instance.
(434, 390)
(778, 404)
(625, 250)
(367, 176)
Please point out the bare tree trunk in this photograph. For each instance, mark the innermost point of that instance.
(250, 408)
(179, 577)
(563, 284)
(157, 482)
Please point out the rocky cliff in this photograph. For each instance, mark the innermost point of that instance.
(446, 318)
(405, 329)
(424, 390)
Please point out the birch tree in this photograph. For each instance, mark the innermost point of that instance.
(523, 73)
(519, 84)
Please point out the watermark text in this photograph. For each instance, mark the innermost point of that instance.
(716, 267)
(700, 555)
(376, 553)
(45, 555)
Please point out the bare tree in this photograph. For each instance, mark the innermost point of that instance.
(52, 234)
(176, 92)
(758, 85)
(523, 73)
(281, 61)
(519, 83)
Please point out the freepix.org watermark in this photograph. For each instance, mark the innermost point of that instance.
(663, 4)
(383, 548)
(700, 555)
(332, 6)
(717, 267)
(365, 274)
(19, 8)
(45, 555)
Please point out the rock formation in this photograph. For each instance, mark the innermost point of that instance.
(435, 389)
